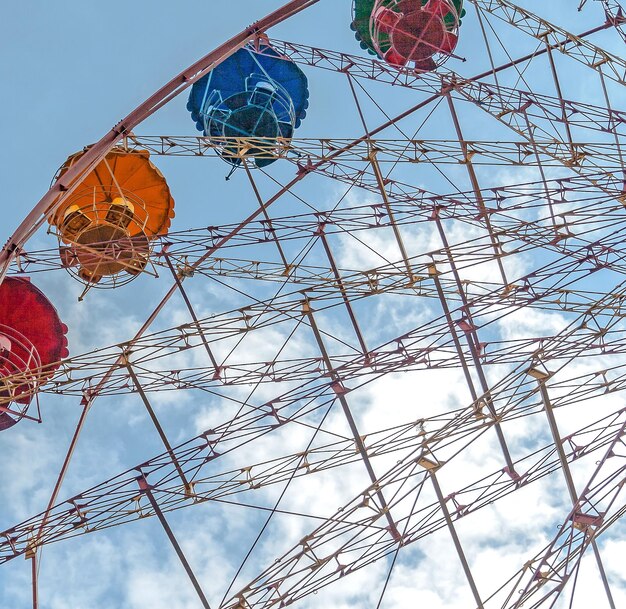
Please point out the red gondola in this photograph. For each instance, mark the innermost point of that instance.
(32, 343)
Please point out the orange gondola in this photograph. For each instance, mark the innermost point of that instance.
(107, 224)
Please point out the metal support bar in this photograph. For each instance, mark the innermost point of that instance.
(340, 392)
(179, 285)
(145, 488)
(609, 106)
(342, 289)
(561, 557)
(569, 480)
(533, 143)
(559, 92)
(396, 231)
(495, 244)
(381, 182)
(34, 579)
(257, 194)
(66, 462)
(144, 398)
(486, 392)
(456, 540)
(434, 273)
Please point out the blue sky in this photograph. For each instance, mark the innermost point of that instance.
(70, 72)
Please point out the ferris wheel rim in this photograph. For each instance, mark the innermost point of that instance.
(172, 290)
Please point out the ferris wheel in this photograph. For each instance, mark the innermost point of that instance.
(386, 365)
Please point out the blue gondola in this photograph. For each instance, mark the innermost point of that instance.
(254, 93)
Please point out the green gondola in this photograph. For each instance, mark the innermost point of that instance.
(377, 40)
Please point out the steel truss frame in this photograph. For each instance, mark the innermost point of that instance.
(507, 379)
